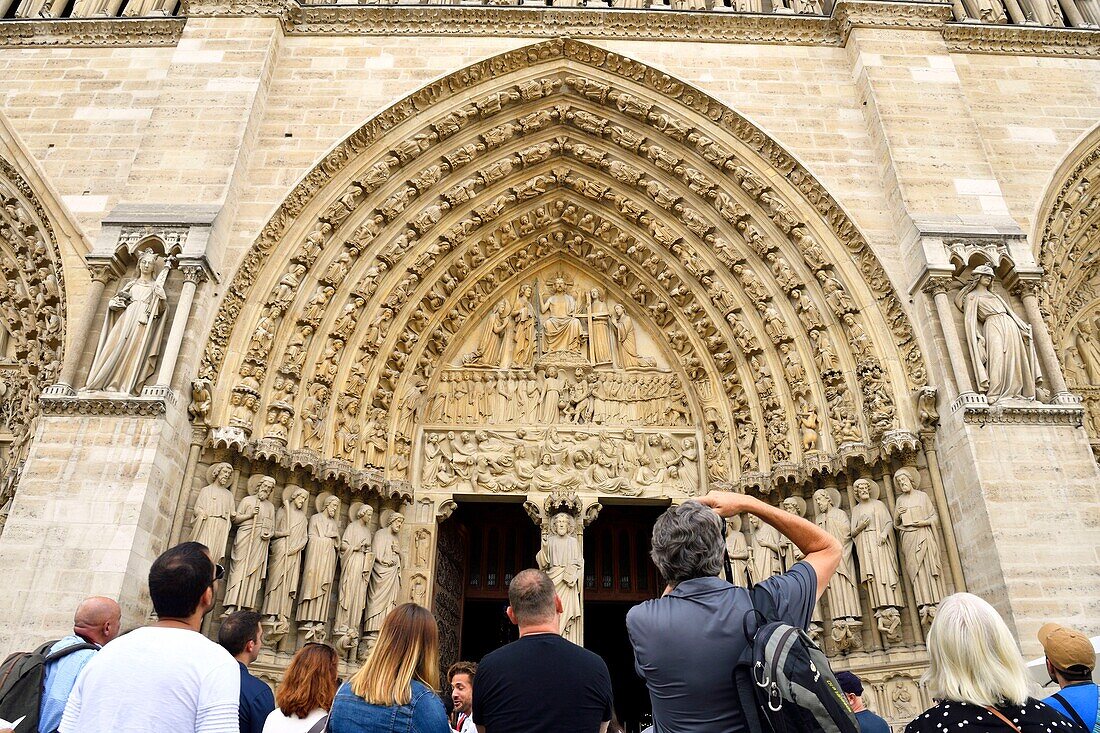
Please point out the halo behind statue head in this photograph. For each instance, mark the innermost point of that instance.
(213, 471)
(799, 503)
(356, 506)
(832, 493)
(388, 517)
(912, 473)
(323, 499)
(873, 488)
(290, 491)
(569, 518)
(734, 522)
(254, 482)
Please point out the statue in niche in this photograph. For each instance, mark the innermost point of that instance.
(490, 346)
(385, 576)
(1001, 347)
(737, 550)
(873, 534)
(319, 568)
(552, 403)
(356, 562)
(1088, 349)
(523, 327)
(255, 522)
(214, 511)
(561, 559)
(902, 699)
(689, 466)
(129, 342)
(561, 328)
(917, 523)
(764, 550)
(599, 328)
(627, 339)
(843, 590)
(285, 564)
(791, 554)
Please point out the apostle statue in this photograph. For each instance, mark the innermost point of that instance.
(873, 534)
(255, 522)
(627, 339)
(130, 339)
(763, 551)
(214, 511)
(285, 564)
(791, 554)
(561, 328)
(1001, 346)
(490, 345)
(843, 589)
(319, 568)
(385, 576)
(737, 549)
(523, 327)
(356, 559)
(918, 527)
(561, 559)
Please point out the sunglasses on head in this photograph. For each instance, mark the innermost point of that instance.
(219, 572)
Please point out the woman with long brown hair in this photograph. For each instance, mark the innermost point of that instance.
(305, 695)
(395, 690)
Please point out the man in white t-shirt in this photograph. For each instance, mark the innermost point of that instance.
(168, 677)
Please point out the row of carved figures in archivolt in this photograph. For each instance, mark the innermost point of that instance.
(625, 462)
(552, 396)
(870, 575)
(306, 562)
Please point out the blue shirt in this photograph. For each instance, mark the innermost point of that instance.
(1083, 696)
(687, 643)
(257, 702)
(871, 723)
(424, 713)
(59, 680)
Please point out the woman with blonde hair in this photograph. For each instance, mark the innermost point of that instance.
(305, 695)
(395, 690)
(976, 673)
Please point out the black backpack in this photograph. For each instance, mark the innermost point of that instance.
(783, 680)
(23, 679)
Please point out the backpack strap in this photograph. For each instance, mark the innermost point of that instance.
(320, 725)
(1070, 710)
(1004, 720)
(49, 658)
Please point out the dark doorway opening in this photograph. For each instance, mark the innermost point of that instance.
(605, 634)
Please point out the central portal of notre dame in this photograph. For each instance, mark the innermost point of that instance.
(544, 291)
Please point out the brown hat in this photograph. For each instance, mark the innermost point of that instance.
(1067, 648)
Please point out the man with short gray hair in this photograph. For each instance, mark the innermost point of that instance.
(540, 683)
(687, 642)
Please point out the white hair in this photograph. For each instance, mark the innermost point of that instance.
(972, 655)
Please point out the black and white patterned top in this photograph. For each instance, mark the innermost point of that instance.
(960, 717)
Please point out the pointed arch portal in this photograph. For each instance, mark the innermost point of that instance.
(563, 279)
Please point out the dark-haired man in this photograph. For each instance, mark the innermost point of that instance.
(461, 678)
(168, 677)
(242, 636)
(540, 683)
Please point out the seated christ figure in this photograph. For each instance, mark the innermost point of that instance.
(561, 327)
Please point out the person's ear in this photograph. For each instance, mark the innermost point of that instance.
(208, 597)
(557, 604)
(851, 698)
(511, 615)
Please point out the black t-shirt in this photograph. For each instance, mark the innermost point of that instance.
(542, 684)
(1031, 717)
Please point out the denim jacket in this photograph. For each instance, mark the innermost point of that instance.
(424, 714)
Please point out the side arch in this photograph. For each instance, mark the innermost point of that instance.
(747, 241)
(41, 249)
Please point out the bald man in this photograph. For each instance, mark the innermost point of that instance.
(96, 622)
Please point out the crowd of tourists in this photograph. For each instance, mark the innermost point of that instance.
(689, 646)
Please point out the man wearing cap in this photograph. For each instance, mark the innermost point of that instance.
(1070, 661)
(853, 690)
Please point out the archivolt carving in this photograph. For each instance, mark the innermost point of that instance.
(690, 220)
(32, 302)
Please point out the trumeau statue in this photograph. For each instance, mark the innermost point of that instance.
(1001, 347)
(873, 534)
(255, 522)
(129, 342)
(319, 568)
(285, 563)
(764, 550)
(214, 511)
(385, 577)
(356, 561)
(843, 590)
(561, 559)
(918, 527)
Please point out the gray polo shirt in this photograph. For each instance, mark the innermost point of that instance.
(686, 643)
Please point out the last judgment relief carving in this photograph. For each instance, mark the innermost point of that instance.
(559, 277)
